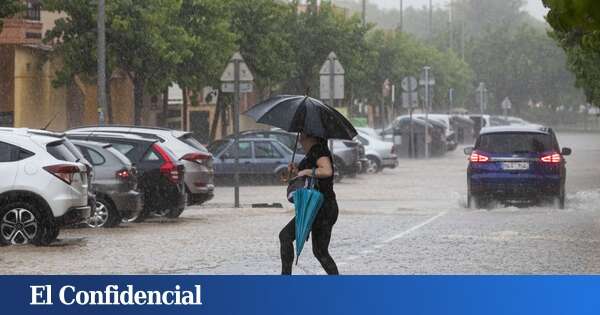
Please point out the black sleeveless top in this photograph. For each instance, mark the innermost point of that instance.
(318, 151)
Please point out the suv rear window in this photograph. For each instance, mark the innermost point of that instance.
(192, 142)
(60, 151)
(517, 142)
(11, 153)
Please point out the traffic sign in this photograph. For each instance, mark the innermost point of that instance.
(337, 66)
(409, 84)
(332, 78)
(410, 99)
(423, 81)
(229, 87)
(229, 73)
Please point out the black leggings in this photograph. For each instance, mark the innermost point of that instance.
(321, 235)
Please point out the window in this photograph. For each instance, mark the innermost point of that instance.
(192, 142)
(265, 150)
(517, 142)
(288, 141)
(95, 157)
(125, 149)
(60, 151)
(11, 153)
(151, 156)
(33, 11)
(245, 151)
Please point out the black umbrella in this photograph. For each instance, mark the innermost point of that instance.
(297, 113)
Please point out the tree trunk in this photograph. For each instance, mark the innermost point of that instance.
(138, 99)
(109, 112)
(215, 123)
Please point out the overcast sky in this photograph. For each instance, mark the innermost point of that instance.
(535, 7)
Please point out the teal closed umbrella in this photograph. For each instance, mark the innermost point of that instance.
(307, 202)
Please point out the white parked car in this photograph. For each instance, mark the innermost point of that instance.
(44, 187)
(380, 154)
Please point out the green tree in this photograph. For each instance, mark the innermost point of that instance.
(576, 25)
(143, 39)
(211, 42)
(9, 8)
(263, 40)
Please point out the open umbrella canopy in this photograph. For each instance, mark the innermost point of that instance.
(295, 113)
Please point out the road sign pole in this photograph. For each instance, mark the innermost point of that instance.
(331, 80)
(427, 68)
(411, 133)
(236, 130)
(481, 105)
(450, 100)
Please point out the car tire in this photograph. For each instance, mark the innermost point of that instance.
(174, 213)
(106, 214)
(474, 202)
(373, 165)
(23, 223)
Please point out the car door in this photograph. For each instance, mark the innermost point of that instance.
(246, 166)
(267, 157)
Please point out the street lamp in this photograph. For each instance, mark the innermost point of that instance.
(101, 84)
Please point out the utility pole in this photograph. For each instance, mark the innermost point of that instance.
(450, 100)
(427, 107)
(101, 84)
(450, 27)
(364, 12)
(430, 19)
(482, 91)
(401, 26)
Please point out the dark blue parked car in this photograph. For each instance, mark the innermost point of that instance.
(260, 159)
(516, 164)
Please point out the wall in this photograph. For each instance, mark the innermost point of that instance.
(36, 100)
(7, 72)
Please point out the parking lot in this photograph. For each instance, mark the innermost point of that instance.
(410, 220)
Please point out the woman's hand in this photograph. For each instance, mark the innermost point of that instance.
(304, 173)
(293, 169)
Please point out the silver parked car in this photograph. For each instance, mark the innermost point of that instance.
(115, 184)
(198, 162)
(380, 154)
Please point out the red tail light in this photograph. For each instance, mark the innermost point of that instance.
(552, 158)
(124, 175)
(196, 157)
(478, 158)
(64, 172)
(168, 169)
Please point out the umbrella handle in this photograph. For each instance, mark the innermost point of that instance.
(295, 147)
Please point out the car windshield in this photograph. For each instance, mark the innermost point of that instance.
(517, 142)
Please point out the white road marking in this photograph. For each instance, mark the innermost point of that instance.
(414, 228)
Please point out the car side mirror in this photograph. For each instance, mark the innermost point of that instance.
(469, 150)
(566, 151)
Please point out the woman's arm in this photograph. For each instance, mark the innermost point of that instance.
(324, 169)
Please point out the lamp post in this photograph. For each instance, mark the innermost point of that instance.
(102, 100)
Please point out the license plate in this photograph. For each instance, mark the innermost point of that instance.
(515, 166)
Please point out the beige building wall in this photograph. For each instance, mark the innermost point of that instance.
(36, 101)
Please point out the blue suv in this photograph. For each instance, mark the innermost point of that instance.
(516, 164)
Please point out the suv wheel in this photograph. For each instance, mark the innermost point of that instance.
(105, 215)
(373, 165)
(22, 223)
(474, 202)
(174, 214)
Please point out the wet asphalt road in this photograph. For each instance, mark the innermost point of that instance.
(411, 220)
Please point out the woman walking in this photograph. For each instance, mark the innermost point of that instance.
(319, 158)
